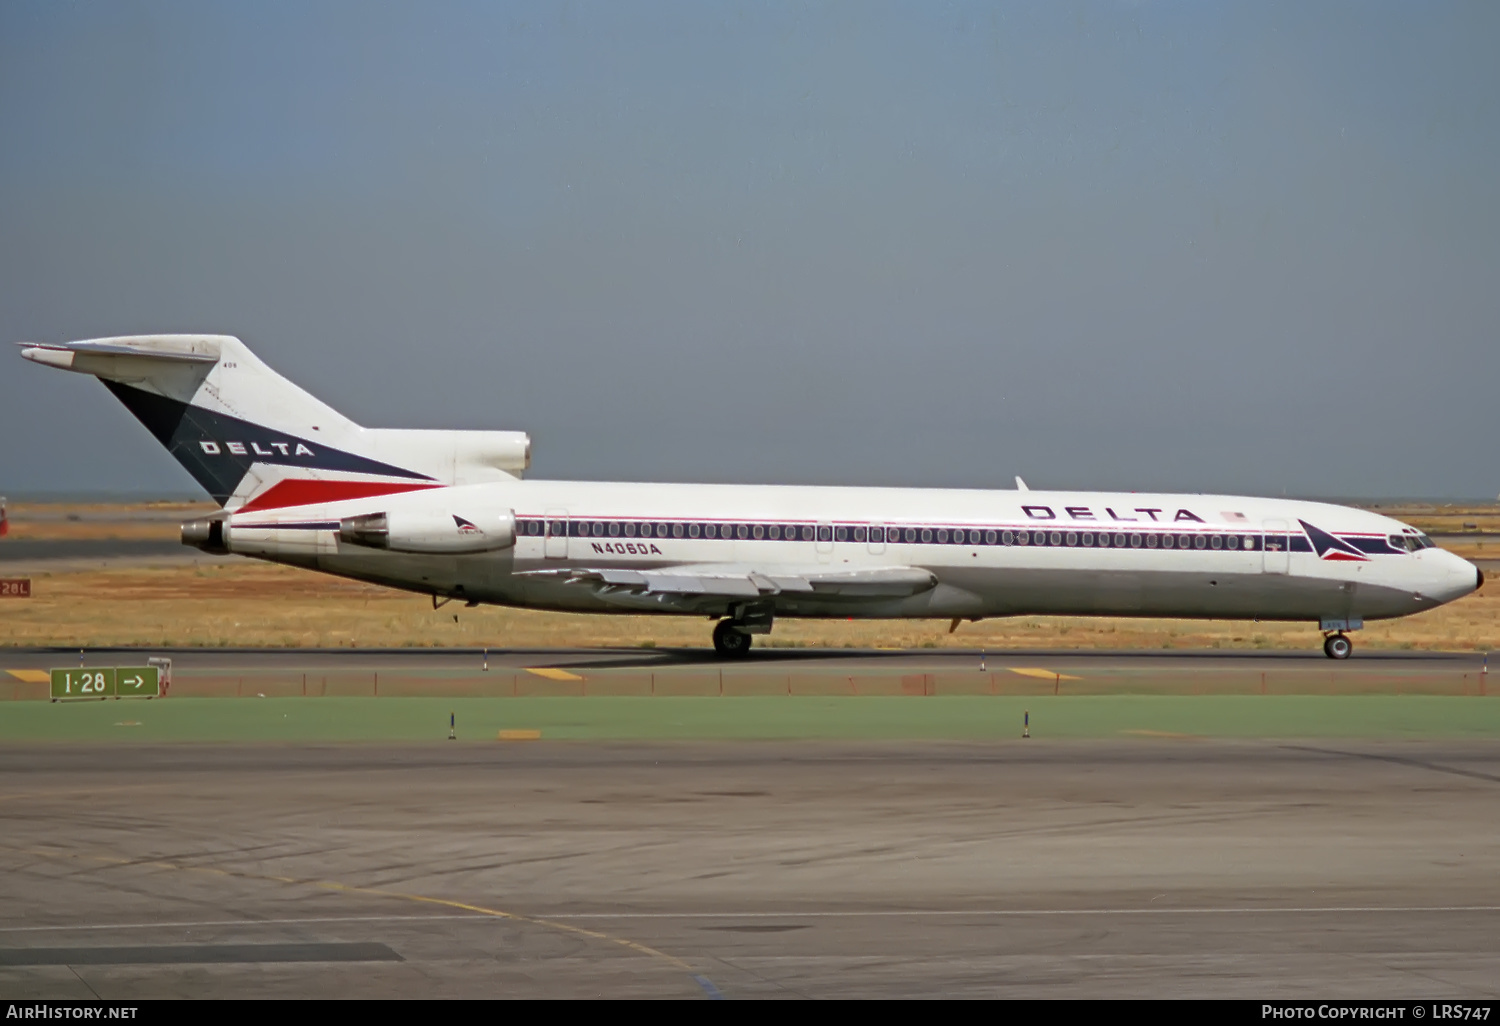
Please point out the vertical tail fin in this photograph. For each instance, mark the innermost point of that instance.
(253, 439)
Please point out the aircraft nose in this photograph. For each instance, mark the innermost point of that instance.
(1464, 578)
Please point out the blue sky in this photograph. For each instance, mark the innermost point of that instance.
(1231, 247)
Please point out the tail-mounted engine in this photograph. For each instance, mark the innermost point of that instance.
(429, 532)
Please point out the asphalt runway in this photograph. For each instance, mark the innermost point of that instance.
(1149, 868)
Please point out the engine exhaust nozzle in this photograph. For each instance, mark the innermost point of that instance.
(206, 533)
(373, 530)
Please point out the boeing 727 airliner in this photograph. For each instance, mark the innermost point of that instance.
(447, 513)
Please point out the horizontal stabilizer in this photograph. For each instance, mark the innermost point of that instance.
(67, 357)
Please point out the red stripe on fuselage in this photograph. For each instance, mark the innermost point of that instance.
(305, 492)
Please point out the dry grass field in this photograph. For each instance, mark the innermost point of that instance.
(243, 602)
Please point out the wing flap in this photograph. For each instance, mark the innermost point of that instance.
(747, 582)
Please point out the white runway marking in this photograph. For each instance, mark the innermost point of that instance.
(1002, 912)
(239, 922)
(911, 913)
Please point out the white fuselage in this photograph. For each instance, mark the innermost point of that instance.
(446, 513)
(989, 553)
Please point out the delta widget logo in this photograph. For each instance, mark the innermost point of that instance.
(1330, 548)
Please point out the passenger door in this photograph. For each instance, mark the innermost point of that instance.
(1276, 550)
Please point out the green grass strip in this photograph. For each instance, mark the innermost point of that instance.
(956, 718)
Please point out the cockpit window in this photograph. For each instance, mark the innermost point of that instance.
(1410, 542)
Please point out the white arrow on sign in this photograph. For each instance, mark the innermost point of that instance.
(133, 681)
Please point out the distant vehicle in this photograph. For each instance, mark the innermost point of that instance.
(447, 513)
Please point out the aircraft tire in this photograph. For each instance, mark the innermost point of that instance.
(1336, 646)
(730, 643)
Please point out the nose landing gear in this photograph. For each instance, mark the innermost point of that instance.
(1336, 646)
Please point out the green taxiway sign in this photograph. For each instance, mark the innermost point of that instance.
(106, 682)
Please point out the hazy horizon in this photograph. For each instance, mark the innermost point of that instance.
(1246, 247)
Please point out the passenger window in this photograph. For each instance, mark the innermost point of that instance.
(1249, 542)
(1198, 542)
(1135, 541)
(1007, 538)
(989, 537)
(1088, 540)
(758, 532)
(1152, 541)
(927, 534)
(742, 531)
(1119, 541)
(676, 530)
(1234, 541)
(1056, 538)
(614, 529)
(825, 533)
(1216, 542)
(693, 530)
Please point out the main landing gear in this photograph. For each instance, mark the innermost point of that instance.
(732, 634)
(1336, 646)
(729, 641)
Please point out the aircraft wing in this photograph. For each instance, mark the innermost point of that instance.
(743, 581)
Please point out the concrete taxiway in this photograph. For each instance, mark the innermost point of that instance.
(1143, 868)
(829, 660)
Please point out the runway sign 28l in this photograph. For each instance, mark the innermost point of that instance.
(106, 682)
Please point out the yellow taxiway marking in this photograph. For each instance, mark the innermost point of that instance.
(552, 673)
(31, 676)
(1037, 671)
(1161, 733)
(334, 885)
(518, 735)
